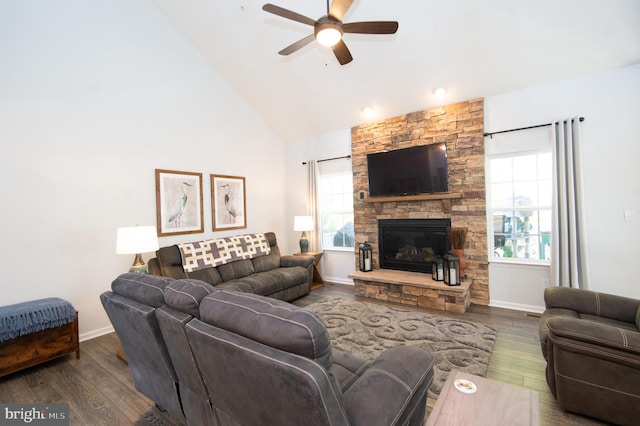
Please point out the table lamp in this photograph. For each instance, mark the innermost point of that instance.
(304, 224)
(137, 240)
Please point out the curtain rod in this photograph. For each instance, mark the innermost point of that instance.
(304, 163)
(524, 128)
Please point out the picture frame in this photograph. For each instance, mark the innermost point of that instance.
(228, 202)
(179, 208)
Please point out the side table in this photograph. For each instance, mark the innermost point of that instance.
(318, 281)
(492, 403)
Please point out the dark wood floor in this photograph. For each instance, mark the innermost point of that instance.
(99, 389)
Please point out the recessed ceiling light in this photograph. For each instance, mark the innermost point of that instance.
(368, 110)
(440, 92)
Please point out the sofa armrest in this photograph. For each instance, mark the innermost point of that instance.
(597, 339)
(393, 388)
(289, 261)
(592, 303)
(154, 266)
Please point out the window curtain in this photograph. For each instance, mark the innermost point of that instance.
(312, 206)
(569, 265)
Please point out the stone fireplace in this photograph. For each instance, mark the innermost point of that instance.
(411, 244)
(461, 127)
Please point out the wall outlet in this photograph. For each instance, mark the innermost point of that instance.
(545, 282)
(629, 215)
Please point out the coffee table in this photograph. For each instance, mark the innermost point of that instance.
(493, 403)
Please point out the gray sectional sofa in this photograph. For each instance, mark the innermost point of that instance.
(224, 357)
(273, 275)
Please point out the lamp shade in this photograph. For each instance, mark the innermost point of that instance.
(136, 239)
(303, 223)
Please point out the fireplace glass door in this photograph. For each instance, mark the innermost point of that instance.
(411, 244)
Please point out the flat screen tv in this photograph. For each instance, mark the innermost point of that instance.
(408, 171)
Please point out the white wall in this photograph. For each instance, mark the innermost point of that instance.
(93, 97)
(610, 143)
(336, 265)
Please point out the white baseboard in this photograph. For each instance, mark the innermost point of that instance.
(95, 333)
(516, 306)
(347, 281)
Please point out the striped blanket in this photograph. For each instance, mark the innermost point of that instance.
(219, 251)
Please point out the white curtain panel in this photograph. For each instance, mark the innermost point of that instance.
(569, 265)
(312, 209)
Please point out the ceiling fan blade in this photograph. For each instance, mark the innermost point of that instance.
(297, 45)
(342, 53)
(374, 27)
(339, 8)
(286, 13)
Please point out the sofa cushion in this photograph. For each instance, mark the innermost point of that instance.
(264, 283)
(235, 270)
(185, 295)
(208, 275)
(268, 262)
(271, 261)
(269, 321)
(147, 289)
(170, 262)
(293, 276)
(269, 282)
(235, 285)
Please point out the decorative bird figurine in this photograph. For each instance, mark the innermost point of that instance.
(179, 205)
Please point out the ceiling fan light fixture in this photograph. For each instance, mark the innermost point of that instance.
(328, 29)
(328, 33)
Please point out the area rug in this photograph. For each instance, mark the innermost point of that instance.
(367, 329)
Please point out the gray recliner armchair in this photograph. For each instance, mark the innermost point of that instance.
(271, 363)
(591, 342)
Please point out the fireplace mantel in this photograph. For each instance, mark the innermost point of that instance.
(417, 197)
(444, 197)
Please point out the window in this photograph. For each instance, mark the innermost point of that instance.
(335, 205)
(519, 204)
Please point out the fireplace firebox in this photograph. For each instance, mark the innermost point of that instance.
(411, 244)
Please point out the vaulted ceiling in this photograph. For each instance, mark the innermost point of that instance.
(473, 48)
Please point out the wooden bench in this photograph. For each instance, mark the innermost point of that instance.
(48, 333)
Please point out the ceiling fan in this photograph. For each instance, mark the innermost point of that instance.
(328, 29)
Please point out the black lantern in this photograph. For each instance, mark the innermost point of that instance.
(437, 269)
(365, 257)
(451, 266)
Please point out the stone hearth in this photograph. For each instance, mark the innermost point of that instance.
(411, 288)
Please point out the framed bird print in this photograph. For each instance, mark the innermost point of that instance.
(178, 202)
(228, 202)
